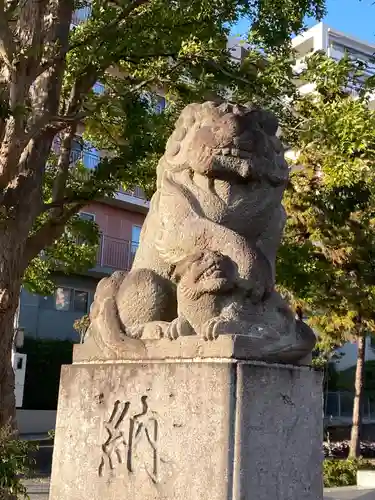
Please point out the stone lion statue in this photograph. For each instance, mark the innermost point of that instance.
(206, 260)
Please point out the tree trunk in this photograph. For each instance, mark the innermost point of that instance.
(355, 438)
(7, 397)
(11, 271)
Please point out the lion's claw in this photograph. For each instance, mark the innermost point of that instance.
(210, 329)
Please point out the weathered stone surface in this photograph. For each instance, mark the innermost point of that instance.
(206, 261)
(192, 430)
(240, 347)
(278, 434)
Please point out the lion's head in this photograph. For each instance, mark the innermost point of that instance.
(227, 141)
(205, 272)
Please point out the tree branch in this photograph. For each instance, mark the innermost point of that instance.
(113, 24)
(68, 200)
(48, 233)
(62, 121)
(7, 46)
(80, 88)
(11, 7)
(63, 168)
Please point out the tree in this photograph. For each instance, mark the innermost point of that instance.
(74, 251)
(327, 259)
(47, 75)
(81, 326)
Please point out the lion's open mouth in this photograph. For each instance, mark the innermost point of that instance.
(212, 272)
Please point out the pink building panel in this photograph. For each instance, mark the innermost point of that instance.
(114, 222)
(116, 247)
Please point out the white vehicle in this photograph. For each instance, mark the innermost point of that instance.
(19, 367)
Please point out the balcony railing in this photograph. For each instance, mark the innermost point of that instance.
(340, 405)
(90, 160)
(116, 253)
(137, 192)
(84, 152)
(81, 15)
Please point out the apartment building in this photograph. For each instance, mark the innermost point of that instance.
(120, 221)
(335, 44)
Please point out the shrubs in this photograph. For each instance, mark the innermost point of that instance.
(340, 473)
(343, 472)
(338, 470)
(15, 462)
(81, 325)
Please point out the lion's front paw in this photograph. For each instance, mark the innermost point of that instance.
(211, 328)
(179, 327)
(174, 330)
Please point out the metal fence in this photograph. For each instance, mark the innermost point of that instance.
(90, 160)
(340, 405)
(81, 15)
(137, 192)
(116, 253)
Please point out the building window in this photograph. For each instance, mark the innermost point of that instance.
(136, 233)
(76, 151)
(86, 152)
(80, 301)
(87, 216)
(90, 156)
(67, 299)
(62, 299)
(156, 102)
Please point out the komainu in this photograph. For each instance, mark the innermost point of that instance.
(206, 260)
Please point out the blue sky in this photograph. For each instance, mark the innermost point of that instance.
(354, 17)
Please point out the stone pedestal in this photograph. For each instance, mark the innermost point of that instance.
(192, 429)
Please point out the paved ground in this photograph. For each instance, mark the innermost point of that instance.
(38, 490)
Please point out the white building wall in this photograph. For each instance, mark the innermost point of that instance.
(335, 44)
(348, 354)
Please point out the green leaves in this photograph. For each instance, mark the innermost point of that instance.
(74, 251)
(327, 261)
(335, 125)
(15, 460)
(133, 48)
(272, 20)
(338, 473)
